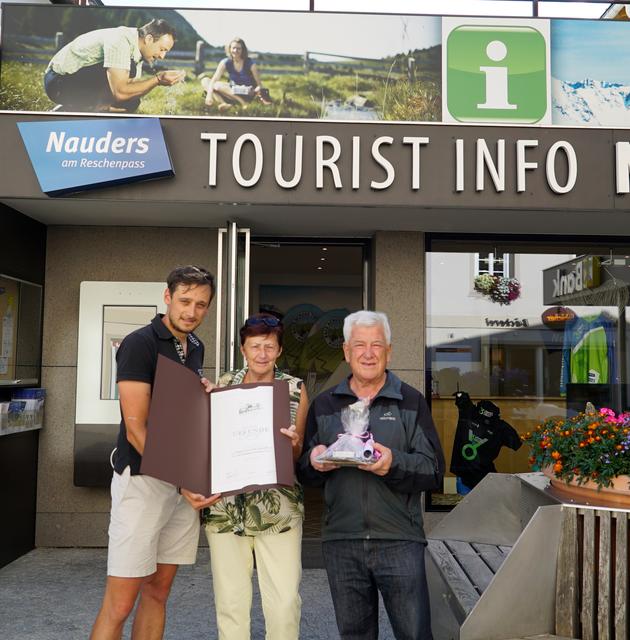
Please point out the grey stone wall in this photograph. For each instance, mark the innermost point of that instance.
(399, 292)
(78, 516)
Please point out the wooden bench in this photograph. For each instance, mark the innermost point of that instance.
(592, 576)
(468, 569)
(566, 573)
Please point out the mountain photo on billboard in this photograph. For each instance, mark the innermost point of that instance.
(590, 73)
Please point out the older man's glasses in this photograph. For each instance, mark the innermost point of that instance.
(270, 321)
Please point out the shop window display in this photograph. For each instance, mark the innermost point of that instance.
(20, 331)
(557, 345)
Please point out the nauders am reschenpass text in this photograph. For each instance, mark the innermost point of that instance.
(61, 142)
(371, 162)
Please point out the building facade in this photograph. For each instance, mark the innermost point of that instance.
(311, 219)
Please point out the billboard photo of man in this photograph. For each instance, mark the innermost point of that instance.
(295, 64)
(101, 70)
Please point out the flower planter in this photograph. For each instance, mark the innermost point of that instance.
(499, 289)
(589, 493)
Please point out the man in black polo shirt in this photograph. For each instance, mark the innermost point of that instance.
(153, 528)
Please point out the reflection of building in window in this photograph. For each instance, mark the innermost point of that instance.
(499, 264)
(20, 328)
(562, 343)
(118, 322)
(113, 389)
(588, 353)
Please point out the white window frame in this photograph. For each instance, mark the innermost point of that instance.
(507, 265)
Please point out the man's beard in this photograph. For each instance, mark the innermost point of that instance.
(178, 327)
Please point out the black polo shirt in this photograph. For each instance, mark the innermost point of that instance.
(136, 359)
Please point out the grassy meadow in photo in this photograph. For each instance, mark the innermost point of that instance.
(403, 87)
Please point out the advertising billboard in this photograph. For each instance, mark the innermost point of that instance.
(221, 63)
(316, 66)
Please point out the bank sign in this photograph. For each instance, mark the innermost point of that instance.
(76, 155)
(572, 278)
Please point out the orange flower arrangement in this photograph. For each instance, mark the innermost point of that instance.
(592, 445)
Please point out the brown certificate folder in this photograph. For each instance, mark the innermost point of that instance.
(179, 430)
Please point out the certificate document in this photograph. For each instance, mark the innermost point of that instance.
(242, 448)
(227, 441)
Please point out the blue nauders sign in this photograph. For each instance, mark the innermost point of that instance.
(76, 155)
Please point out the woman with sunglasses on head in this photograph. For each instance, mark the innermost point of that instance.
(266, 524)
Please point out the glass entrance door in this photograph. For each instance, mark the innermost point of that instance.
(311, 285)
(233, 252)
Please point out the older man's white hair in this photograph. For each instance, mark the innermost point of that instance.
(366, 319)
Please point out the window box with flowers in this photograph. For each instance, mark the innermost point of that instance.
(586, 457)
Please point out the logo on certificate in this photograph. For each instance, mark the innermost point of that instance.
(248, 408)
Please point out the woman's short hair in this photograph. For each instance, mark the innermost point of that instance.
(366, 319)
(240, 41)
(262, 324)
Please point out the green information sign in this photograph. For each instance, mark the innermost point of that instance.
(496, 74)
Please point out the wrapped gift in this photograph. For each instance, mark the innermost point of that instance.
(355, 445)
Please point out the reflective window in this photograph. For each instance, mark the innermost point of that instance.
(20, 331)
(312, 287)
(536, 333)
(118, 321)
(488, 262)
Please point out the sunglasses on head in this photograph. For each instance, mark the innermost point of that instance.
(270, 321)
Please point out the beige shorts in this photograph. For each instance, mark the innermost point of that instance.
(150, 524)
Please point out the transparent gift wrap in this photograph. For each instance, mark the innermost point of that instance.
(356, 445)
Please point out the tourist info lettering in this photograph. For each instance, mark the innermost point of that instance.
(242, 449)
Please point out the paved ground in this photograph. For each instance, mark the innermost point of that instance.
(54, 594)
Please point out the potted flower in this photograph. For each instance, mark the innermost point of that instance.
(587, 454)
(498, 288)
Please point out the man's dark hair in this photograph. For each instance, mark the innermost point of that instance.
(157, 28)
(190, 275)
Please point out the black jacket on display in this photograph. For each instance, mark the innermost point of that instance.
(479, 436)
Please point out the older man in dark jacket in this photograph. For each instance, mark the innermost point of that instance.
(373, 538)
